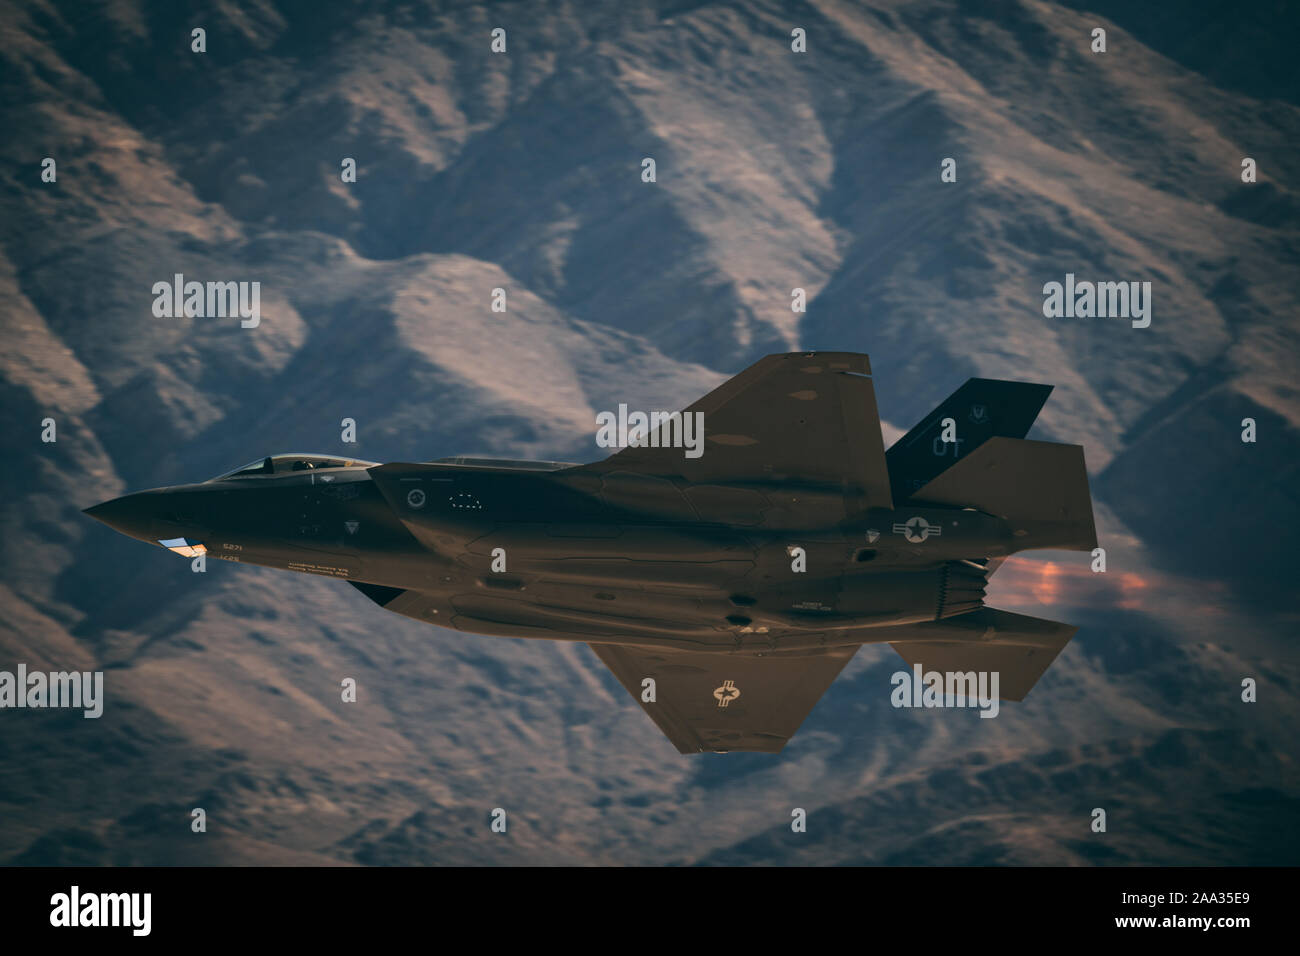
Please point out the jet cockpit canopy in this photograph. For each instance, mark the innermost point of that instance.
(283, 464)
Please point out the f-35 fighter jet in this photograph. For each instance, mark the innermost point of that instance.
(725, 591)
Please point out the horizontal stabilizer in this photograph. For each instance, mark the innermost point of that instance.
(1016, 646)
(1039, 487)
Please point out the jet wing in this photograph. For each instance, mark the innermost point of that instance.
(709, 702)
(803, 417)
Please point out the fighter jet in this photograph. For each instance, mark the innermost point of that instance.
(725, 590)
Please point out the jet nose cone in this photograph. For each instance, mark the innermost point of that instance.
(130, 515)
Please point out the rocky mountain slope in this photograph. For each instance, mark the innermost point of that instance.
(522, 171)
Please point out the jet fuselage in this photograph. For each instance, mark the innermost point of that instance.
(724, 589)
(563, 553)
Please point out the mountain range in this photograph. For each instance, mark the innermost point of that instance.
(523, 171)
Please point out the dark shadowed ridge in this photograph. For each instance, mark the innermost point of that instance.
(775, 171)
